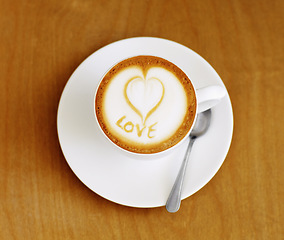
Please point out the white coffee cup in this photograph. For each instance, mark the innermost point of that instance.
(206, 97)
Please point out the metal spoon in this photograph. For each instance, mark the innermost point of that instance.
(200, 127)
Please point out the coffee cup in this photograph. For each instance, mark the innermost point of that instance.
(147, 106)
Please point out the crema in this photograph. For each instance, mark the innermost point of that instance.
(145, 104)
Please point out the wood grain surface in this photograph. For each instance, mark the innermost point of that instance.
(41, 44)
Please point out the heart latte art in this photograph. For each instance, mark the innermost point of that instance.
(145, 104)
(144, 95)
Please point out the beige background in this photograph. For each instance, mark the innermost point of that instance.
(41, 44)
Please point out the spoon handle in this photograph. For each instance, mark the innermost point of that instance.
(174, 199)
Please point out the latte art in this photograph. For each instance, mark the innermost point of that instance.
(145, 104)
(144, 95)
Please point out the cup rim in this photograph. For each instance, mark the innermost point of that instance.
(142, 155)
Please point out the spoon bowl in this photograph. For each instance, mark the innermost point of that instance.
(202, 124)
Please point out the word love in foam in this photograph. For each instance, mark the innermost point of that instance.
(129, 127)
(144, 97)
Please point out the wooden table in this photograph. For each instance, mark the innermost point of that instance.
(41, 44)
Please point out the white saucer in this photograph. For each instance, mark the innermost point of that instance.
(102, 167)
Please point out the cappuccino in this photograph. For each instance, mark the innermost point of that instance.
(145, 104)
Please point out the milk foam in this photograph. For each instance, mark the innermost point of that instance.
(144, 109)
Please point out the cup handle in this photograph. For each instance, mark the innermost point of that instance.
(208, 97)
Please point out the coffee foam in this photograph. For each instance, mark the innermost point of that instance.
(145, 104)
